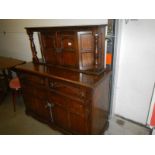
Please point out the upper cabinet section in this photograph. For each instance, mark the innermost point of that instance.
(77, 47)
(59, 48)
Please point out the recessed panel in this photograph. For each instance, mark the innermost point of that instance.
(86, 41)
(87, 59)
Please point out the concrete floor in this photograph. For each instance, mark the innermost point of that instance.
(18, 123)
(120, 126)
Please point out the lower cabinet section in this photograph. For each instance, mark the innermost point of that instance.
(68, 114)
(60, 117)
(38, 106)
(63, 109)
(78, 124)
(58, 110)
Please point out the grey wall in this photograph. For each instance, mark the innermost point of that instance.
(135, 69)
(14, 41)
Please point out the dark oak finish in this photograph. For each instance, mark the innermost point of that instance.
(59, 48)
(8, 63)
(86, 49)
(69, 90)
(80, 47)
(75, 102)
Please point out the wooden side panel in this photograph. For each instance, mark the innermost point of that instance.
(101, 105)
(86, 49)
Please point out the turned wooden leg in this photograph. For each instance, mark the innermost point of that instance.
(14, 99)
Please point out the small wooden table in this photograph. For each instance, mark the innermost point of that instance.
(6, 65)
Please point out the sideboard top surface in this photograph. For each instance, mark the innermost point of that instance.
(64, 27)
(63, 74)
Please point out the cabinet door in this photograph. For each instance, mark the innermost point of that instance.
(60, 116)
(68, 43)
(59, 110)
(69, 114)
(86, 49)
(78, 117)
(35, 100)
(78, 124)
(49, 47)
(59, 48)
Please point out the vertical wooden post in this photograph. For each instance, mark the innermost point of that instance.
(96, 56)
(33, 48)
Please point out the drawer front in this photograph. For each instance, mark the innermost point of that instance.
(34, 79)
(35, 91)
(68, 89)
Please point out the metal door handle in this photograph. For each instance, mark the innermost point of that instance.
(50, 106)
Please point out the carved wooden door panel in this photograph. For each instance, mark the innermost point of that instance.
(35, 101)
(78, 124)
(59, 48)
(58, 110)
(86, 49)
(68, 43)
(50, 48)
(60, 116)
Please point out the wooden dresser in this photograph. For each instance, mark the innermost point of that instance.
(68, 88)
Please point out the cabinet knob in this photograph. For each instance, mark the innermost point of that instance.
(82, 94)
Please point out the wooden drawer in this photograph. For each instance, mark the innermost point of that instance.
(36, 92)
(34, 79)
(68, 89)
